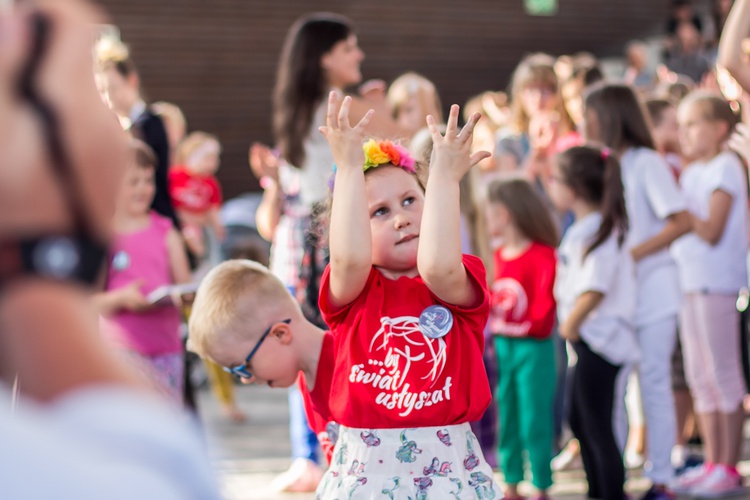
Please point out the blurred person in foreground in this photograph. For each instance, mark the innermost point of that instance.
(83, 421)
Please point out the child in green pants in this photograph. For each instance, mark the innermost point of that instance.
(521, 319)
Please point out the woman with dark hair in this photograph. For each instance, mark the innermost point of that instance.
(320, 54)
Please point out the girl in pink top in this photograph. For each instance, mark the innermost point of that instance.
(147, 253)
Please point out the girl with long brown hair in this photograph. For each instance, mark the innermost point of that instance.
(522, 317)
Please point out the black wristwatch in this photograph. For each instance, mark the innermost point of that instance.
(53, 257)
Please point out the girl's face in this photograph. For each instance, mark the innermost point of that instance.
(590, 126)
(537, 98)
(411, 117)
(561, 195)
(573, 101)
(395, 202)
(667, 134)
(119, 92)
(342, 63)
(700, 138)
(204, 160)
(498, 219)
(137, 191)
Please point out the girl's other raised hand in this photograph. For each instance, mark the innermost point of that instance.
(345, 140)
(451, 153)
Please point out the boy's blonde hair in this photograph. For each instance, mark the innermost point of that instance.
(238, 299)
(415, 85)
(191, 143)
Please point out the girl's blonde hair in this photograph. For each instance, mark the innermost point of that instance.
(714, 108)
(415, 85)
(529, 212)
(536, 69)
(170, 113)
(191, 143)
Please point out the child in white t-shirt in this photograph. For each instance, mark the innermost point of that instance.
(712, 266)
(657, 216)
(595, 293)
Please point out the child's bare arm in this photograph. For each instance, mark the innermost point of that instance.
(439, 259)
(214, 220)
(178, 261)
(127, 298)
(676, 225)
(730, 46)
(586, 302)
(712, 229)
(350, 239)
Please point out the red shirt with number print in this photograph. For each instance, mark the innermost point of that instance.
(388, 374)
(522, 303)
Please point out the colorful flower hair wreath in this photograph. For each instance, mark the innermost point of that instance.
(384, 152)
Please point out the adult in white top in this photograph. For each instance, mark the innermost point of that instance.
(712, 264)
(657, 216)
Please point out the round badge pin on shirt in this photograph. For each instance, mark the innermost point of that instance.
(435, 322)
(121, 261)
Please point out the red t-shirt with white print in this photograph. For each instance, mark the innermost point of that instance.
(316, 401)
(522, 301)
(388, 374)
(193, 193)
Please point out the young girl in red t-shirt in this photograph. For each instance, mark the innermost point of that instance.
(407, 310)
(522, 315)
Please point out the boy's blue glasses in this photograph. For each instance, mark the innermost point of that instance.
(240, 371)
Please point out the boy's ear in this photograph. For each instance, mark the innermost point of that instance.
(283, 332)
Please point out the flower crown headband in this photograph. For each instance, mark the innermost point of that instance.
(383, 152)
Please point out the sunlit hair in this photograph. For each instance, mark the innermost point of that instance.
(411, 85)
(191, 144)
(235, 301)
(171, 113)
(535, 70)
(529, 213)
(713, 107)
(110, 52)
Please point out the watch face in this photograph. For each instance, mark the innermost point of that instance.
(56, 257)
(121, 261)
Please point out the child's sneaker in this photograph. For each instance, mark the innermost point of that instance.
(691, 478)
(719, 482)
(658, 493)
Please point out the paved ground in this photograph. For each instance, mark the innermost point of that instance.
(249, 455)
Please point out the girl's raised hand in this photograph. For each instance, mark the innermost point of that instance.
(451, 153)
(345, 140)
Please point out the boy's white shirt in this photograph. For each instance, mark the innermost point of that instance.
(721, 268)
(652, 194)
(608, 269)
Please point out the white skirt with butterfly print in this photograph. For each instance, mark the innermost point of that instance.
(408, 464)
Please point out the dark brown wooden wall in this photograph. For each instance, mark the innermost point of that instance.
(217, 58)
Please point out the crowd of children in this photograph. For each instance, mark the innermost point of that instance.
(470, 296)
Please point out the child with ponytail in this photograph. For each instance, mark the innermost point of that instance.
(595, 293)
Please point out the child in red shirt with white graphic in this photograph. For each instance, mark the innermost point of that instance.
(407, 310)
(522, 316)
(195, 191)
